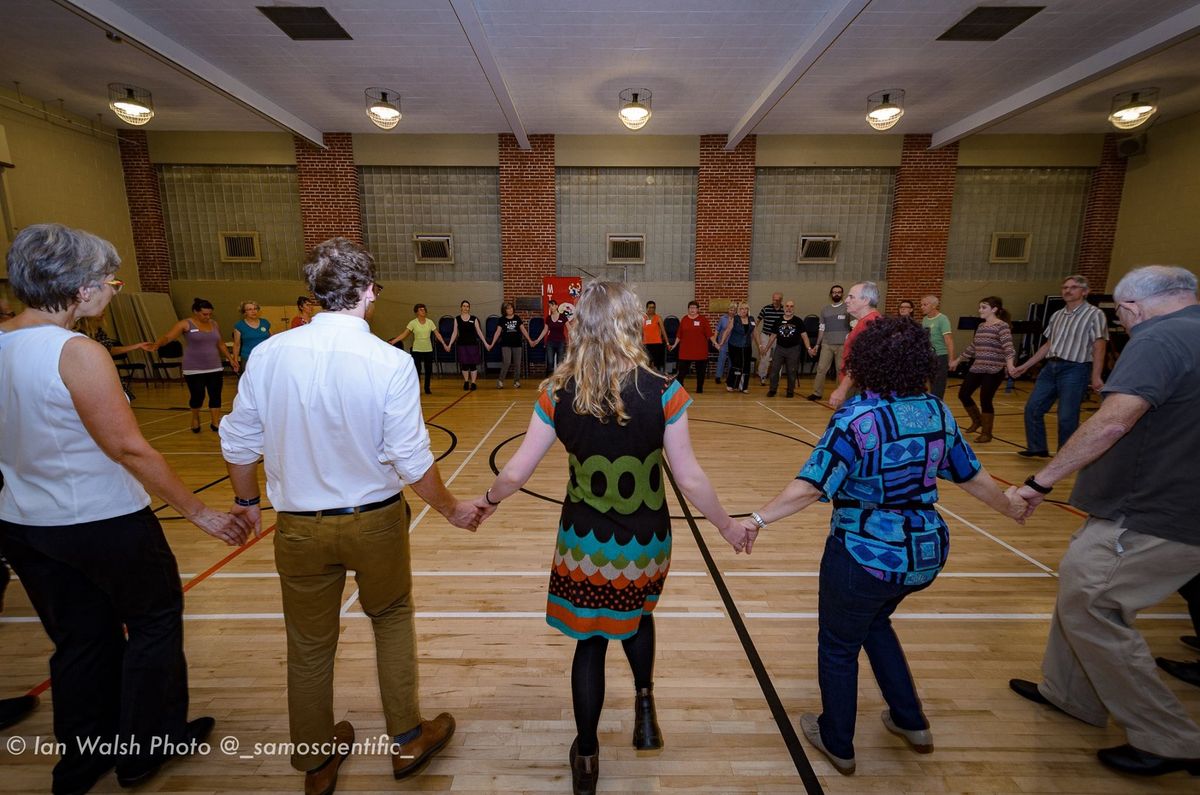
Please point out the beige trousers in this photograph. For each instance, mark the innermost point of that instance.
(1096, 663)
(312, 555)
(829, 354)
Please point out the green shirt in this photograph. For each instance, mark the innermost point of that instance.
(939, 327)
(421, 335)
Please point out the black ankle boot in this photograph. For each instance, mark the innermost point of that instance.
(585, 770)
(646, 734)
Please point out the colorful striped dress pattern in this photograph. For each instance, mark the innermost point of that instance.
(613, 548)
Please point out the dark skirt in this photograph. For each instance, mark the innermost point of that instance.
(468, 354)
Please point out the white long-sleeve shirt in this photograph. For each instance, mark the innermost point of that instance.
(335, 413)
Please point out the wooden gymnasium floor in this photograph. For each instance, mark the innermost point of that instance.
(488, 656)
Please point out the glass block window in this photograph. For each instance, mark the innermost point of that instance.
(855, 204)
(399, 202)
(200, 202)
(659, 203)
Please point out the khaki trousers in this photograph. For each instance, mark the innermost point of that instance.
(312, 555)
(1096, 663)
(764, 357)
(829, 354)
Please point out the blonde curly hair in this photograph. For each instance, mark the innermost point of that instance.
(605, 351)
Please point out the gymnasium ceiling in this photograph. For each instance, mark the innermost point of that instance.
(556, 66)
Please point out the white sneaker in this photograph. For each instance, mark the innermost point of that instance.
(499, 384)
(516, 384)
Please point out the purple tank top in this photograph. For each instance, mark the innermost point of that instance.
(200, 349)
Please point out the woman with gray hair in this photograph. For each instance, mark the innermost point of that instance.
(75, 521)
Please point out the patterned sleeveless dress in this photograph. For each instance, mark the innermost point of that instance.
(614, 536)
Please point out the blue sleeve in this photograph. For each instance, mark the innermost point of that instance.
(832, 459)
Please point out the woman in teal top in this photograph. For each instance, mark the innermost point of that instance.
(423, 330)
(249, 332)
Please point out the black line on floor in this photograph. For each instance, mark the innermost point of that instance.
(453, 440)
(811, 785)
(196, 491)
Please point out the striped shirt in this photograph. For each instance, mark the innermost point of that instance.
(768, 319)
(1072, 332)
(991, 348)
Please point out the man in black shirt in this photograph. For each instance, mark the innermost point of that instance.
(768, 321)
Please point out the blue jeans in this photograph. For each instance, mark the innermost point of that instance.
(1065, 382)
(723, 358)
(855, 611)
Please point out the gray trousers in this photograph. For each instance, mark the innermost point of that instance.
(787, 359)
(829, 354)
(510, 357)
(764, 357)
(1097, 664)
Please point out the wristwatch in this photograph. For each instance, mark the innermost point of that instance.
(1038, 487)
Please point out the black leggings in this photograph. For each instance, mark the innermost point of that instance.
(424, 360)
(739, 375)
(986, 383)
(685, 367)
(657, 351)
(200, 383)
(587, 678)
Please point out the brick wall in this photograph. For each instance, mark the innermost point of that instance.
(145, 212)
(1100, 215)
(528, 214)
(920, 227)
(328, 181)
(724, 220)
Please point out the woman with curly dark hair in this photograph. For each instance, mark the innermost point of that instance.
(878, 463)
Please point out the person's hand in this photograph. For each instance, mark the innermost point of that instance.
(1097, 384)
(812, 351)
(837, 398)
(953, 364)
(1032, 498)
(1018, 508)
(737, 536)
(1015, 371)
(465, 515)
(486, 508)
(224, 526)
(149, 347)
(447, 347)
(250, 516)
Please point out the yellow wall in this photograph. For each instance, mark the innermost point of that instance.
(426, 150)
(1045, 151)
(222, 148)
(653, 151)
(828, 150)
(1160, 207)
(67, 176)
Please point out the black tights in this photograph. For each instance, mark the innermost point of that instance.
(986, 383)
(587, 678)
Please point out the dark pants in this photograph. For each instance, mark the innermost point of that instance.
(855, 611)
(90, 583)
(657, 351)
(424, 361)
(986, 383)
(1065, 382)
(685, 367)
(1191, 595)
(785, 359)
(937, 384)
(204, 382)
(739, 370)
(554, 354)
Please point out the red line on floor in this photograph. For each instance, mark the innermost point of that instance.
(1066, 508)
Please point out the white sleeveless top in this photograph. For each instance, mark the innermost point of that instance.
(54, 472)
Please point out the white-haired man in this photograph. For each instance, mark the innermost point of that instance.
(861, 302)
(1141, 541)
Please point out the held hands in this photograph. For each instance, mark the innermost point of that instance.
(148, 347)
(1097, 384)
(1019, 506)
(250, 516)
(233, 530)
(813, 350)
(1031, 498)
(1014, 371)
(466, 515)
(739, 536)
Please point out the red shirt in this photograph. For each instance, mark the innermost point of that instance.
(693, 338)
(862, 323)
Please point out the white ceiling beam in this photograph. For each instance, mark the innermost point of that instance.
(157, 44)
(468, 17)
(1141, 45)
(827, 31)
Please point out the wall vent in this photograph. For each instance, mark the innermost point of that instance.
(989, 23)
(626, 249)
(816, 249)
(433, 249)
(305, 23)
(239, 247)
(1010, 248)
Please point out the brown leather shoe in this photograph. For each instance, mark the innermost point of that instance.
(323, 780)
(585, 771)
(408, 759)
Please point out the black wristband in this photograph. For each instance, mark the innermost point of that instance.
(487, 496)
(1038, 487)
(246, 503)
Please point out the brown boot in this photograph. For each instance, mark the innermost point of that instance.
(985, 433)
(408, 759)
(323, 780)
(976, 419)
(585, 771)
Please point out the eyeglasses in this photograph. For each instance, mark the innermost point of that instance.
(378, 288)
(116, 284)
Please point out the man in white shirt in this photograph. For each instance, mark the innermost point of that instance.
(335, 414)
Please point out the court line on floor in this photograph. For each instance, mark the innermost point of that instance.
(412, 526)
(787, 731)
(999, 541)
(786, 419)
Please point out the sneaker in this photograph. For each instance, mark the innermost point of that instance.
(499, 384)
(814, 398)
(771, 393)
(516, 384)
(812, 732)
(474, 386)
(466, 385)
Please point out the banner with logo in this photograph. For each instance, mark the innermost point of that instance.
(563, 289)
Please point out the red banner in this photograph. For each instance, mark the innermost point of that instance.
(563, 289)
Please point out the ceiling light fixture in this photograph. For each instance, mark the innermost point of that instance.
(1132, 109)
(635, 107)
(132, 105)
(383, 107)
(884, 108)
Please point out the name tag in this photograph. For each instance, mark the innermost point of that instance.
(841, 317)
(696, 323)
